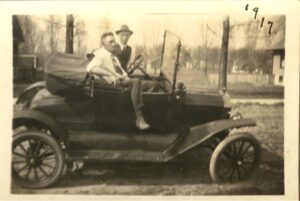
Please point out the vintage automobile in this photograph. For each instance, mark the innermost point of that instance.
(70, 117)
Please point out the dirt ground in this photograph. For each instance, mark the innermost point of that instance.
(189, 174)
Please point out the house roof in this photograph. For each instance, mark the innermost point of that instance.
(278, 44)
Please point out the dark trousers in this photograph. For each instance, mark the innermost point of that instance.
(136, 87)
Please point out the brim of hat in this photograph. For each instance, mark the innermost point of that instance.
(119, 31)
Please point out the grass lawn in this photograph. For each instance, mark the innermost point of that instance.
(270, 128)
(246, 90)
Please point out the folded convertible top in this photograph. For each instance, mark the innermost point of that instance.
(64, 73)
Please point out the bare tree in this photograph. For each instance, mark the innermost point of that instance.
(206, 43)
(150, 50)
(206, 33)
(105, 25)
(251, 30)
(79, 36)
(32, 35)
(53, 28)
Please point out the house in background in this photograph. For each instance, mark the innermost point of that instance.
(24, 65)
(278, 61)
(18, 38)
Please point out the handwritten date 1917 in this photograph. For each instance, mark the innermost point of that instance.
(255, 10)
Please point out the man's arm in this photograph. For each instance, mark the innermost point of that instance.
(95, 67)
(99, 71)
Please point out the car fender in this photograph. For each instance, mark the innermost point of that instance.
(29, 92)
(36, 84)
(201, 133)
(25, 116)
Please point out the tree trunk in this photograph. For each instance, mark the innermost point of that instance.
(205, 53)
(51, 38)
(69, 34)
(224, 56)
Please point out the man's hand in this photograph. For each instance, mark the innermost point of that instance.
(126, 78)
(117, 82)
(121, 81)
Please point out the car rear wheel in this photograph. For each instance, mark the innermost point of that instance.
(235, 158)
(37, 159)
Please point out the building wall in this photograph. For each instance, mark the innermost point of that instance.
(278, 67)
(24, 67)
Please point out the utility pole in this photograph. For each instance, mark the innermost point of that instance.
(69, 34)
(224, 56)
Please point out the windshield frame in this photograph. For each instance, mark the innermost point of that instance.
(174, 78)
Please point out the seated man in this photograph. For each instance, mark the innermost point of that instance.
(105, 65)
(123, 50)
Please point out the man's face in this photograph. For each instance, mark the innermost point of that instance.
(109, 43)
(124, 37)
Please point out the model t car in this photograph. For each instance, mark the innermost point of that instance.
(69, 117)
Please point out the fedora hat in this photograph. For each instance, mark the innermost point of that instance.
(124, 28)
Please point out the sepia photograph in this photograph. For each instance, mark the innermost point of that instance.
(149, 103)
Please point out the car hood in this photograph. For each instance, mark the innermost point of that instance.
(198, 98)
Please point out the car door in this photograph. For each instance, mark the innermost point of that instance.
(113, 109)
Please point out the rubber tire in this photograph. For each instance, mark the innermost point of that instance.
(56, 149)
(226, 142)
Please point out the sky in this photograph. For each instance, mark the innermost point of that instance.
(149, 28)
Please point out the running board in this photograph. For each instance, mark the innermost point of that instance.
(118, 155)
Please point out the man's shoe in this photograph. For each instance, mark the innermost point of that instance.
(142, 124)
(77, 167)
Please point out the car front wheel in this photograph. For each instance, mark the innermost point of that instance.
(235, 158)
(37, 159)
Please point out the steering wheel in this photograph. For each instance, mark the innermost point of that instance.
(135, 64)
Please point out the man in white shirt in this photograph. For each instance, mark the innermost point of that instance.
(107, 66)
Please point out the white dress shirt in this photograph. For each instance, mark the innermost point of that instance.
(105, 68)
(123, 46)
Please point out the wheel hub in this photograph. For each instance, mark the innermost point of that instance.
(239, 162)
(34, 161)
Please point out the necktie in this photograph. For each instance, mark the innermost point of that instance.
(116, 65)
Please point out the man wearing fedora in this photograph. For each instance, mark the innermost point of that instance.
(123, 50)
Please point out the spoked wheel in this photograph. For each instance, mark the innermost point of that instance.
(37, 159)
(235, 158)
